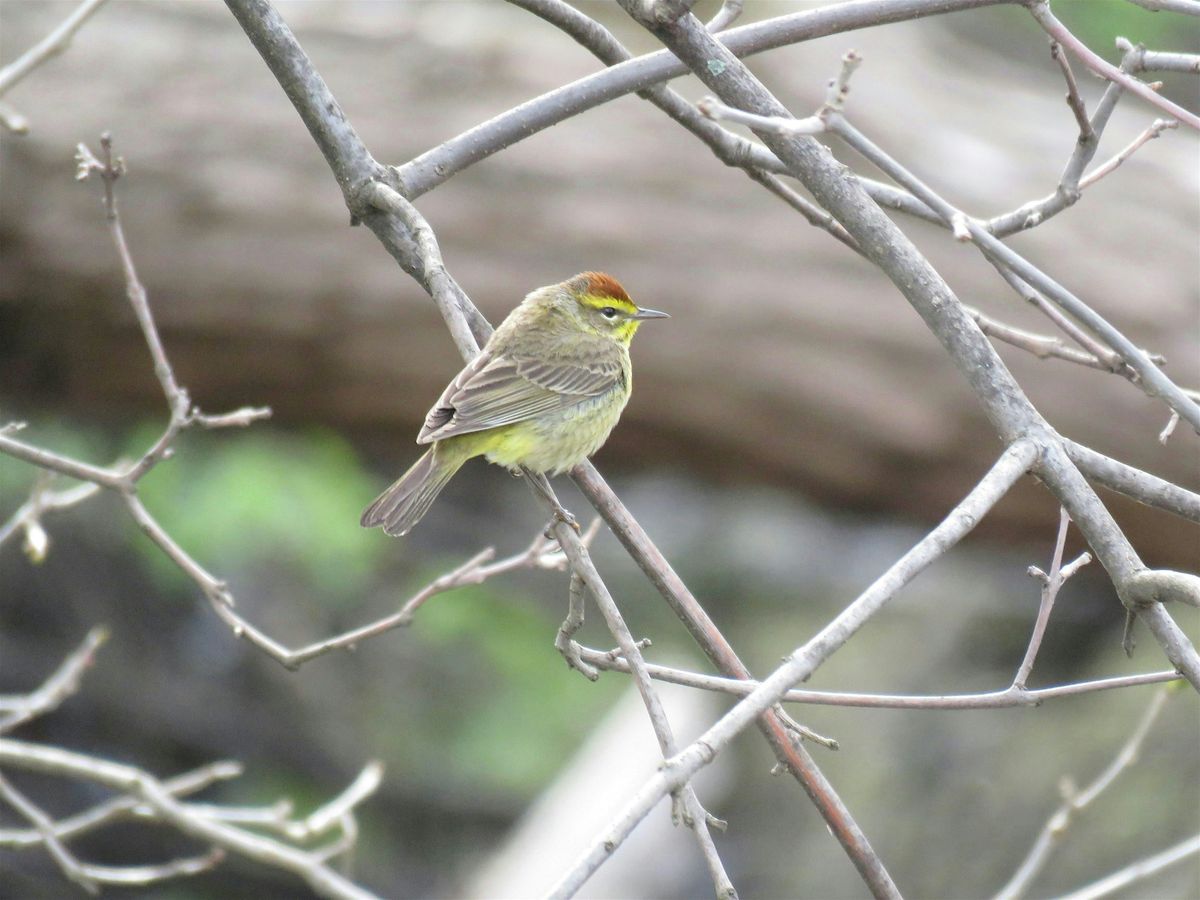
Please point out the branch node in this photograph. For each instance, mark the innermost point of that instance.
(839, 87)
(1169, 429)
(1150, 586)
(961, 226)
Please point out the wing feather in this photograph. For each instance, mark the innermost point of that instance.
(500, 390)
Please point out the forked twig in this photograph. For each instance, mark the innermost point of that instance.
(1075, 801)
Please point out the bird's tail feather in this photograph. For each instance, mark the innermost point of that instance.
(402, 505)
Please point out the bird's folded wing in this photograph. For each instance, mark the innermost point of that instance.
(500, 390)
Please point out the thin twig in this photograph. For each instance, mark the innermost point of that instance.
(1151, 379)
(1143, 868)
(695, 816)
(1004, 699)
(90, 876)
(1161, 61)
(540, 554)
(1075, 801)
(804, 660)
(1186, 7)
(440, 163)
(1067, 192)
(1043, 346)
(1154, 130)
(1052, 582)
(63, 857)
(728, 14)
(1040, 9)
(123, 479)
(123, 806)
(320, 820)
(1108, 358)
(564, 640)
(816, 216)
(57, 688)
(55, 462)
(354, 168)
(143, 876)
(144, 797)
(731, 149)
(718, 111)
(151, 792)
(46, 49)
(1169, 428)
(1073, 99)
(29, 514)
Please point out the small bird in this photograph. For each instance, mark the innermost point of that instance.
(542, 395)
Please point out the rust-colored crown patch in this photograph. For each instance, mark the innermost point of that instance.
(597, 284)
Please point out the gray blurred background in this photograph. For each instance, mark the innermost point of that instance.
(794, 429)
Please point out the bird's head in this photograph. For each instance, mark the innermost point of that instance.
(599, 305)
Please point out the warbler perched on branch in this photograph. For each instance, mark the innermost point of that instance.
(542, 395)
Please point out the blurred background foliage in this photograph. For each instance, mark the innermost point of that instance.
(1098, 23)
(470, 708)
(300, 492)
(474, 713)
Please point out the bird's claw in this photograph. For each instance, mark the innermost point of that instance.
(564, 516)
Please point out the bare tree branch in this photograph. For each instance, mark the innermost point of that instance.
(1160, 61)
(1141, 486)
(1075, 801)
(728, 147)
(29, 516)
(695, 816)
(63, 857)
(1040, 9)
(541, 554)
(1007, 698)
(829, 118)
(1151, 378)
(57, 688)
(145, 797)
(1143, 868)
(1005, 403)
(1074, 101)
(1187, 7)
(1067, 192)
(1051, 583)
(728, 14)
(123, 807)
(166, 807)
(90, 876)
(287, 61)
(800, 664)
(1157, 127)
(44, 50)
(435, 166)
(374, 197)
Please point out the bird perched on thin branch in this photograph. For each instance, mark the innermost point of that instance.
(542, 395)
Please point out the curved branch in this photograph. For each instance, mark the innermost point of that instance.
(433, 167)
(1141, 486)
(156, 795)
(885, 245)
(1040, 9)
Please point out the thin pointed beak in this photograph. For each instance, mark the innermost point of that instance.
(650, 314)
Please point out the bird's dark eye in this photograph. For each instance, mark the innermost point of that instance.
(609, 312)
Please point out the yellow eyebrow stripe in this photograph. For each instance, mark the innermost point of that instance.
(597, 301)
